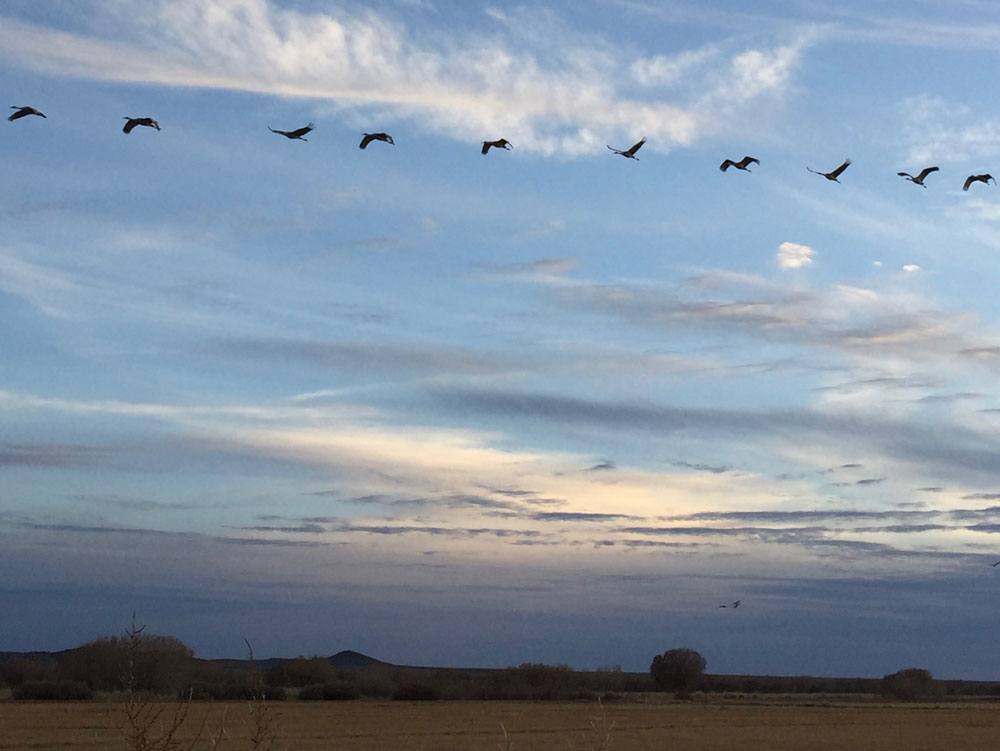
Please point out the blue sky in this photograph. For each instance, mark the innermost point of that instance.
(546, 404)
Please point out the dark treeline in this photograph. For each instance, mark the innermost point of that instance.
(165, 666)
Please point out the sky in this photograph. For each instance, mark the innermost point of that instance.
(543, 405)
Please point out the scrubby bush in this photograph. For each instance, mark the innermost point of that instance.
(677, 670)
(332, 691)
(530, 681)
(416, 691)
(302, 671)
(17, 671)
(375, 682)
(238, 686)
(52, 691)
(162, 664)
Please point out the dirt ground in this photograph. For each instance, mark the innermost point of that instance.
(476, 726)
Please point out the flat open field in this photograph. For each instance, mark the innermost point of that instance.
(475, 726)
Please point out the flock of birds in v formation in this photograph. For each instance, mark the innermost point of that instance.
(503, 143)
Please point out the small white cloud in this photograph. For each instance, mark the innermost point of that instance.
(793, 255)
(877, 264)
(910, 267)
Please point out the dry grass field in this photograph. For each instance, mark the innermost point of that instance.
(475, 726)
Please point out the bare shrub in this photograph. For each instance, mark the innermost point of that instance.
(506, 744)
(148, 726)
(601, 733)
(261, 719)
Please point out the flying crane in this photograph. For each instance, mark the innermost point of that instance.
(295, 134)
(24, 112)
(742, 164)
(134, 121)
(919, 179)
(630, 152)
(835, 174)
(369, 137)
(501, 143)
(978, 179)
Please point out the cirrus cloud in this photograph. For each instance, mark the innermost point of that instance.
(549, 88)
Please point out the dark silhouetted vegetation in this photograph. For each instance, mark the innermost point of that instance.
(162, 664)
(333, 691)
(911, 684)
(677, 670)
(17, 671)
(299, 672)
(416, 691)
(164, 667)
(51, 691)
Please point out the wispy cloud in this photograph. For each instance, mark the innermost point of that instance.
(844, 318)
(54, 454)
(370, 357)
(967, 451)
(550, 93)
(45, 288)
(546, 269)
(959, 26)
(937, 130)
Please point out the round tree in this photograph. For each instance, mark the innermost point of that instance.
(677, 670)
(910, 684)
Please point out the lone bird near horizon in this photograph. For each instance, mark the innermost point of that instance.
(978, 179)
(295, 134)
(835, 174)
(369, 137)
(24, 112)
(134, 121)
(735, 604)
(994, 565)
(630, 152)
(919, 179)
(742, 164)
(501, 143)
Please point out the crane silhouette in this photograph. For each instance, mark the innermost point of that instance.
(501, 143)
(629, 153)
(369, 137)
(978, 179)
(835, 174)
(919, 179)
(24, 112)
(134, 121)
(735, 604)
(294, 134)
(742, 164)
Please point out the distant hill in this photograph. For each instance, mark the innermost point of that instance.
(41, 657)
(348, 659)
